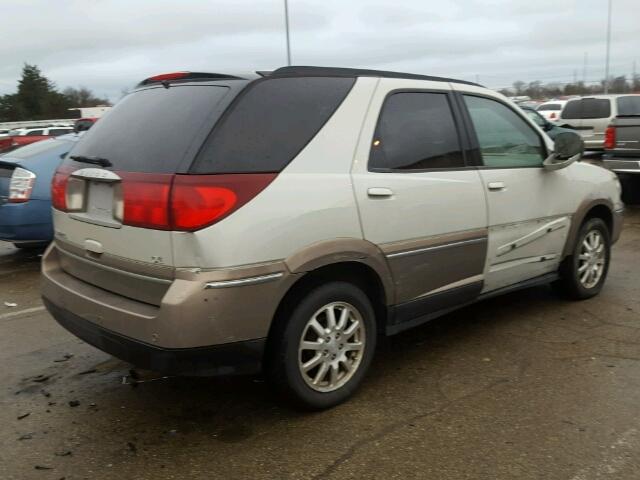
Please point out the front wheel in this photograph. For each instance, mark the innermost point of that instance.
(582, 274)
(321, 352)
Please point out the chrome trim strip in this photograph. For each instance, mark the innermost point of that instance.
(449, 286)
(244, 281)
(116, 270)
(522, 261)
(538, 233)
(435, 248)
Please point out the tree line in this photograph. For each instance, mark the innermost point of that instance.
(37, 98)
(540, 91)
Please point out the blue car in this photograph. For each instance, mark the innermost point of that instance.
(25, 191)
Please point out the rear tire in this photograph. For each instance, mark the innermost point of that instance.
(583, 273)
(322, 347)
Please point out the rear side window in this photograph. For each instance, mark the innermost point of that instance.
(59, 131)
(629, 106)
(550, 106)
(416, 131)
(150, 130)
(270, 123)
(587, 108)
(33, 133)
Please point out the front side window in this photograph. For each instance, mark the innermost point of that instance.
(506, 140)
(416, 131)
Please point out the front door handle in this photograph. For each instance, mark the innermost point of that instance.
(380, 192)
(496, 186)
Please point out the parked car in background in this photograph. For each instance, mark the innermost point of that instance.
(4, 132)
(25, 136)
(214, 224)
(550, 128)
(551, 109)
(83, 124)
(591, 116)
(622, 147)
(25, 191)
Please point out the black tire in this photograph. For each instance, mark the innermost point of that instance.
(569, 282)
(630, 188)
(282, 359)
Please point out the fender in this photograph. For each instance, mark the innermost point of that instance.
(578, 218)
(328, 252)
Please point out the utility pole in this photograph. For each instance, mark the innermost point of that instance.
(584, 68)
(286, 23)
(606, 68)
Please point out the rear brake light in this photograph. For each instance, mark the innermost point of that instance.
(21, 185)
(167, 76)
(198, 201)
(553, 115)
(145, 200)
(167, 201)
(610, 138)
(59, 188)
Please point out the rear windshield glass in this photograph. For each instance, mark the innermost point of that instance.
(270, 123)
(150, 130)
(629, 106)
(587, 108)
(550, 106)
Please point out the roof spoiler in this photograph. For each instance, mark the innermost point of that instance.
(166, 78)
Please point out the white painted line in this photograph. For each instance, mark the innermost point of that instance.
(618, 456)
(4, 316)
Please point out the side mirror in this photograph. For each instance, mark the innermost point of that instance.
(568, 148)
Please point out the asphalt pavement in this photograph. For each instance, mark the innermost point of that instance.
(525, 386)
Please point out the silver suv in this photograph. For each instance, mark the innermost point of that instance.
(212, 224)
(591, 116)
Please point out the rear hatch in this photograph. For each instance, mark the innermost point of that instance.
(135, 151)
(627, 128)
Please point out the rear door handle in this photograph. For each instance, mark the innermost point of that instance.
(496, 186)
(379, 192)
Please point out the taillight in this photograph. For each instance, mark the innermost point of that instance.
(59, 188)
(145, 200)
(21, 185)
(552, 115)
(198, 201)
(610, 138)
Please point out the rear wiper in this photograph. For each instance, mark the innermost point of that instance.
(103, 162)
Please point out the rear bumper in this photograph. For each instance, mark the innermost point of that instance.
(28, 222)
(233, 358)
(622, 165)
(206, 322)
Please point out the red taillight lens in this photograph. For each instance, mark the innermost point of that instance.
(610, 138)
(167, 76)
(59, 188)
(145, 200)
(552, 115)
(198, 201)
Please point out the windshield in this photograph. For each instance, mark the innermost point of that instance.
(151, 130)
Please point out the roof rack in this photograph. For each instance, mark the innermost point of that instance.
(309, 71)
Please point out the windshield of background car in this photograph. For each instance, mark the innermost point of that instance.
(151, 130)
(629, 106)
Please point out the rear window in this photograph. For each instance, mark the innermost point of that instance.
(587, 108)
(150, 130)
(550, 106)
(34, 133)
(270, 123)
(629, 106)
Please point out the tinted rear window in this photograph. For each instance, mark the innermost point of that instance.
(270, 123)
(587, 108)
(629, 106)
(150, 130)
(416, 131)
(550, 106)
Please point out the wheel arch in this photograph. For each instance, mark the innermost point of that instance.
(601, 208)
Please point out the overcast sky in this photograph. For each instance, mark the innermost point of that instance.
(109, 45)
